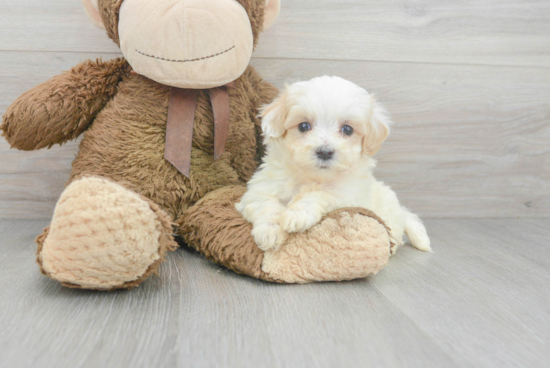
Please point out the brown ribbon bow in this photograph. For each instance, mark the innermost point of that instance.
(181, 117)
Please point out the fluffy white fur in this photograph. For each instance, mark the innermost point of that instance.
(294, 187)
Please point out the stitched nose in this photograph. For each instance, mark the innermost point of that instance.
(324, 153)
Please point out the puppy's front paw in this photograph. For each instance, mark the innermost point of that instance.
(269, 236)
(298, 220)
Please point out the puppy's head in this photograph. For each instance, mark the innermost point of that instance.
(325, 124)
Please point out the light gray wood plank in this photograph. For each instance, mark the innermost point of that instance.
(485, 295)
(503, 32)
(481, 300)
(469, 141)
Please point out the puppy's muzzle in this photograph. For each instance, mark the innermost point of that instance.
(324, 153)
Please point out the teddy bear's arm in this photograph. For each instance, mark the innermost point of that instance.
(63, 107)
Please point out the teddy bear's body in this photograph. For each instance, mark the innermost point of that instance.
(125, 143)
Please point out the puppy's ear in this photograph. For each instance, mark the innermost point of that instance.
(274, 116)
(378, 129)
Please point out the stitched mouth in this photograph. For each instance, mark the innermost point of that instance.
(186, 60)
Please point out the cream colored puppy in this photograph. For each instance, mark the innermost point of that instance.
(320, 137)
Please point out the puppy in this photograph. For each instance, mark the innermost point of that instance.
(320, 137)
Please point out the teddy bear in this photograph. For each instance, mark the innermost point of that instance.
(171, 135)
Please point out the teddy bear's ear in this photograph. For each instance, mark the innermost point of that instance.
(272, 10)
(91, 8)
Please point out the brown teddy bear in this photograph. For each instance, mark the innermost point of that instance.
(171, 136)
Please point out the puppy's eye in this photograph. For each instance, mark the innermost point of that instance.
(347, 130)
(304, 127)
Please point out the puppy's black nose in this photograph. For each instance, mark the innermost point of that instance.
(324, 153)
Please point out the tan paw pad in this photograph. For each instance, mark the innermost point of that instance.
(345, 245)
(102, 236)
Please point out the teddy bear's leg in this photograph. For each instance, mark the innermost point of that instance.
(346, 244)
(104, 236)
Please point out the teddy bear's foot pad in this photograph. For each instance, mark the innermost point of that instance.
(103, 236)
(346, 244)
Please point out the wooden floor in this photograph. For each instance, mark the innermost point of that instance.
(481, 300)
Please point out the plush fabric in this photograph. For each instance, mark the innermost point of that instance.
(347, 244)
(104, 236)
(62, 108)
(110, 10)
(215, 228)
(213, 49)
(91, 7)
(126, 142)
(272, 10)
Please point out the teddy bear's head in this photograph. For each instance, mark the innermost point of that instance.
(186, 44)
